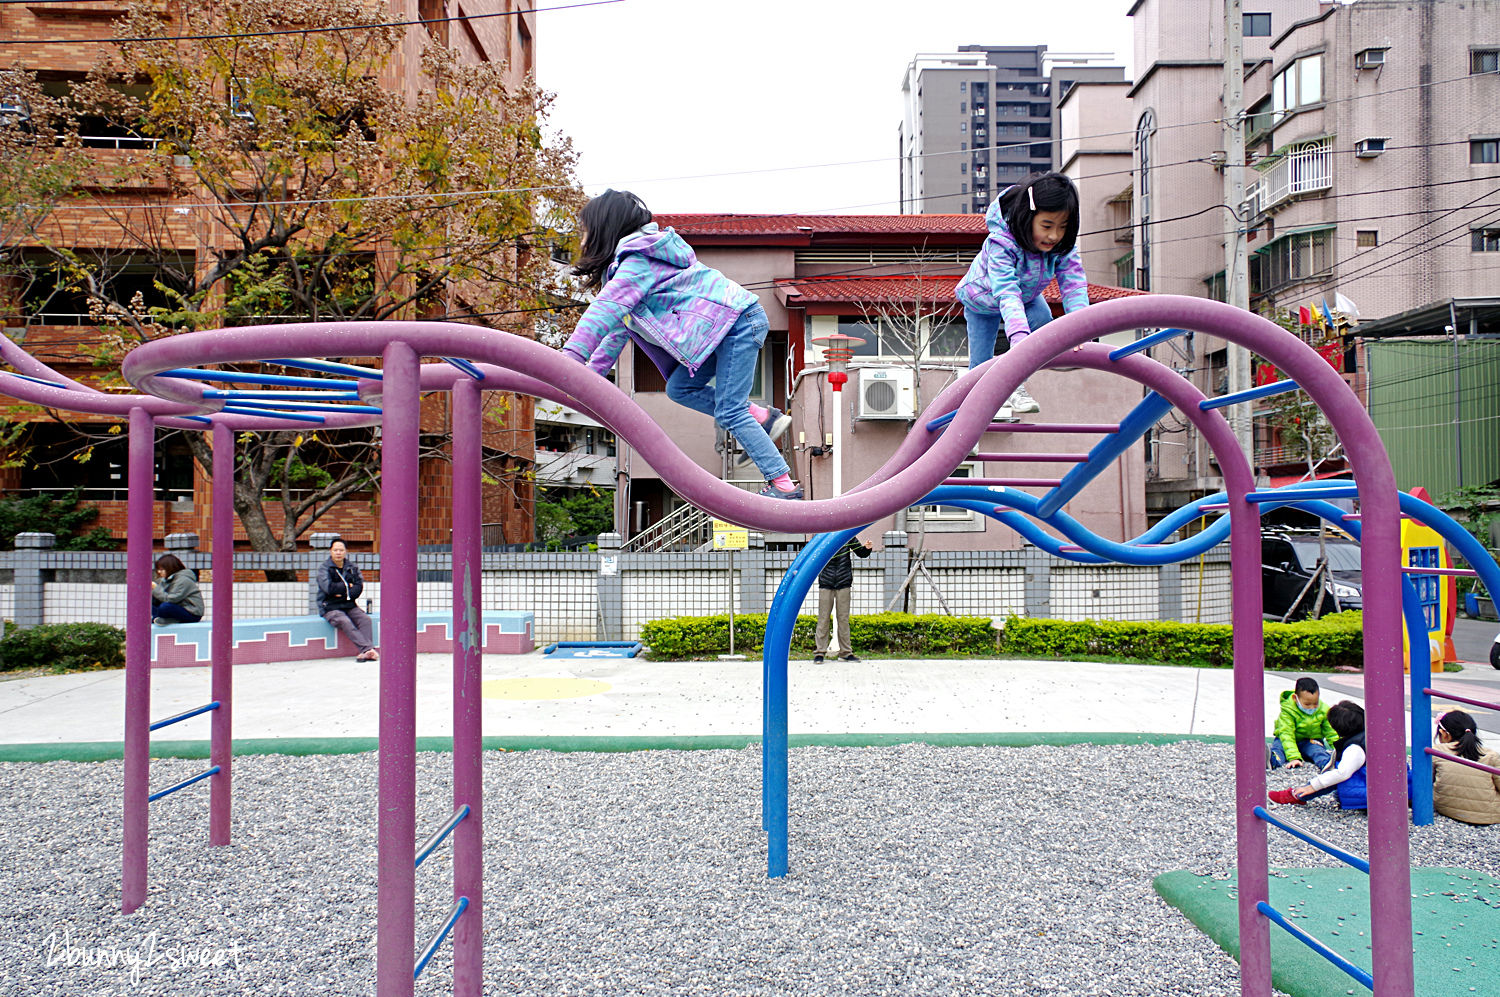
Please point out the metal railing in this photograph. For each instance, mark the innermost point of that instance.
(1303, 170)
(687, 528)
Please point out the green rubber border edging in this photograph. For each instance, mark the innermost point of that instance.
(1455, 917)
(99, 751)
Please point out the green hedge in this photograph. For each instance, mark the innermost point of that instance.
(62, 647)
(891, 633)
(1318, 645)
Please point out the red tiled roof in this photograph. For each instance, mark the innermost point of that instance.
(906, 287)
(808, 226)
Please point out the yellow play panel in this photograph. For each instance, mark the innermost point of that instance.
(543, 688)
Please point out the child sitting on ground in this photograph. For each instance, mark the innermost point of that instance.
(1458, 791)
(1301, 729)
(1347, 776)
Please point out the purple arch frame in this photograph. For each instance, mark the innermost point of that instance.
(922, 461)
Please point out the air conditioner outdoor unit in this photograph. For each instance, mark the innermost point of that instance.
(886, 393)
(1369, 148)
(1370, 58)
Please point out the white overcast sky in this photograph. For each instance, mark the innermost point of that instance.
(656, 94)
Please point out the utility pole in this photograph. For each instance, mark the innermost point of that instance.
(1236, 264)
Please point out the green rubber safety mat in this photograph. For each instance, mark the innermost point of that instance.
(1455, 921)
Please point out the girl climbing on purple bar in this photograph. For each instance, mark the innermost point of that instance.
(703, 331)
(1033, 232)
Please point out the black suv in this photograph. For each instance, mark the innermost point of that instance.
(1287, 561)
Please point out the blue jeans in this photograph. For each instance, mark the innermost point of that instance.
(175, 613)
(1316, 754)
(984, 328)
(721, 388)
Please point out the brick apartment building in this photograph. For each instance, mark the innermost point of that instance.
(62, 333)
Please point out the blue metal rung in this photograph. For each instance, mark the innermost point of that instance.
(1147, 342)
(268, 396)
(242, 410)
(237, 377)
(442, 832)
(182, 785)
(36, 380)
(594, 649)
(289, 406)
(1264, 391)
(437, 939)
(196, 418)
(1135, 425)
(1348, 858)
(466, 367)
(941, 421)
(1302, 494)
(1323, 950)
(183, 716)
(328, 367)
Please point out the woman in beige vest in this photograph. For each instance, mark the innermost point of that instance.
(1458, 791)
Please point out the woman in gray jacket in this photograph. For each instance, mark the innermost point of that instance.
(175, 597)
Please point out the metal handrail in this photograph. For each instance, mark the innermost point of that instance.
(673, 529)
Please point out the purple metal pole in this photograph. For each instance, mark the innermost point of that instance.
(395, 933)
(468, 660)
(138, 573)
(221, 638)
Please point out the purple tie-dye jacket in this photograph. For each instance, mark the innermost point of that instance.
(1004, 277)
(660, 296)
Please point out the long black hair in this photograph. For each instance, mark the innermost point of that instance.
(1465, 733)
(1041, 192)
(606, 220)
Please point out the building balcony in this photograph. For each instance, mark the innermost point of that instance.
(573, 467)
(1305, 169)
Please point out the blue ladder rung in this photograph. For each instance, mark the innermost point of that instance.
(1147, 342)
(441, 833)
(466, 367)
(1302, 494)
(264, 396)
(941, 421)
(234, 376)
(182, 785)
(183, 716)
(437, 939)
(291, 406)
(264, 414)
(1323, 950)
(1264, 391)
(1349, 858)
(328, 367)
(36, 380)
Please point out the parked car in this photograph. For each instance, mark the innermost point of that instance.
(1288, 561)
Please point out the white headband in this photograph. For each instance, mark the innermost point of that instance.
(1031, 197)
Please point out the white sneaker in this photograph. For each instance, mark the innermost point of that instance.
(1021, 402)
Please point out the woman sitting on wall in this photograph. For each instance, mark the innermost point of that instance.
(175, 597)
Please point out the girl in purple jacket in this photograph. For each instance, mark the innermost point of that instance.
(702, 330)
(1033, 232)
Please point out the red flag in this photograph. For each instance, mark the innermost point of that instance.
(1304, 315)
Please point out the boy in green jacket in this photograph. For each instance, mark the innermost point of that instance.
(1301, 730)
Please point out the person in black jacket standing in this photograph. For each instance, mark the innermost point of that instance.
(834, 582)
(339, 586)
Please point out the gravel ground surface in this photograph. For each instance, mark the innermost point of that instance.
(915, 870)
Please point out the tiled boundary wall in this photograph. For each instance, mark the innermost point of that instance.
(606, 595)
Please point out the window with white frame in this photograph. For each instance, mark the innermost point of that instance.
(1484, 151)
(1298, 85)
(947, 513)
(942, 338)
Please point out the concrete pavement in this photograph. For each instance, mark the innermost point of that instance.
(536, 696)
